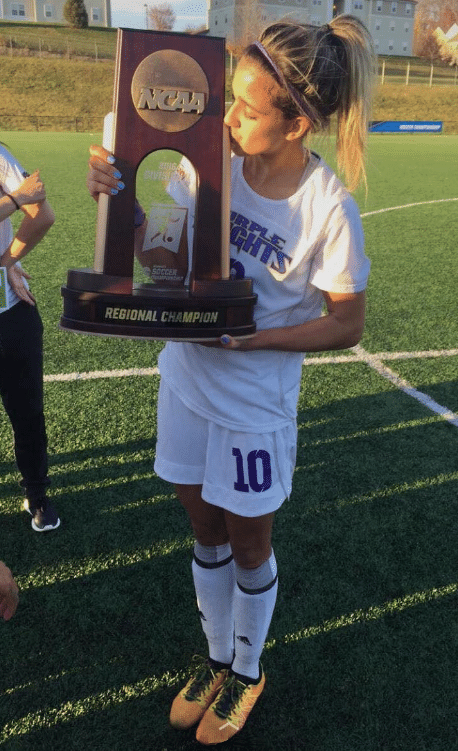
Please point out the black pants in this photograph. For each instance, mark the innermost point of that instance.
(21, 389)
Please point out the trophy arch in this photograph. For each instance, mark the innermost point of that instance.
(167, 185)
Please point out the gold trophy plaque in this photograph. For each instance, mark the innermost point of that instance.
(171, 146)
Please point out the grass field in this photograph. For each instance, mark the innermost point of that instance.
(363, 649)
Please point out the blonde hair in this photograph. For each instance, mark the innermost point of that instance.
(329, 69)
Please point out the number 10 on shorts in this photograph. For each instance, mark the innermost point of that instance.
(254, 472)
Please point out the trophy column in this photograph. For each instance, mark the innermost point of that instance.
(168, 97)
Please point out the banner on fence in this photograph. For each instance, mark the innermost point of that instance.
(405, 126)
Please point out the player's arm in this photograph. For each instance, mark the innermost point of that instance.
(38, 218)
(341, 327)
(104, 177)
(31, 190)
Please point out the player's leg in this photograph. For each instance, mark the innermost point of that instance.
(214, 583)
(22, 394)
(254, 603)
(261, 471)
(180, 456)
(255, 592)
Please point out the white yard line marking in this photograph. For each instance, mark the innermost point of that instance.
(407, 206)
(359, 354)
(94, 374)
(376, 363)
(339, 359)
(331, 360)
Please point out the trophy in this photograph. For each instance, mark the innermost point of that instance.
(168, 278)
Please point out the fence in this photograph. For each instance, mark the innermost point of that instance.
(94, 124)
(407, 71)
(36, 46)
(78, 124)
(411, 73)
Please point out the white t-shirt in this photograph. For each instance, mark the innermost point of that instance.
(292, 249)
(12, 174)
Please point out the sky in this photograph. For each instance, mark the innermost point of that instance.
(131, 14)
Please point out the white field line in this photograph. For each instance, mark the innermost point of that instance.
(95, 374)
(331, 360)
(375, 362)
(338, 359)
(407, 206)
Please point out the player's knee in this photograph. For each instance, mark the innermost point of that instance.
(251, 556)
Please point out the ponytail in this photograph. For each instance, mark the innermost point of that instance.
(354, 107)
(324, 70)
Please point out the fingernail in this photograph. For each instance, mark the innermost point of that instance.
(111, 159)
(225, 339)
(117, 174)
(121, 185)
(114, 192)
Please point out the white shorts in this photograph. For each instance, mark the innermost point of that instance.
(249, 474)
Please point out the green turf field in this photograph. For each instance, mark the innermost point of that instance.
(363, 649)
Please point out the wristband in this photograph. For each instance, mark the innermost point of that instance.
(14, 201)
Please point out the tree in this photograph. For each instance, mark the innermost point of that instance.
(190, 29)
(75, 14)
(161, 17)
(249, 18)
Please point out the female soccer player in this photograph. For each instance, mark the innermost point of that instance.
(227, 413)
(21, 334)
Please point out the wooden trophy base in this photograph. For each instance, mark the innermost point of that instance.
(95, 303)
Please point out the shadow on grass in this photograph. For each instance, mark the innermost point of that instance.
(94, 657)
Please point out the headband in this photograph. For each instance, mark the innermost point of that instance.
(301, 102)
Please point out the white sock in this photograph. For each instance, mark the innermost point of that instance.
(213, 571)
(254, 602)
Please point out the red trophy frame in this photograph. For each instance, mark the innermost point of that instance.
(168, 95)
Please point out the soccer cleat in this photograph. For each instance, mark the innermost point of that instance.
(190, 705)
(43, 513)
(229, 712)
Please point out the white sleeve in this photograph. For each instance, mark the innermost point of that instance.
(12, 173)
(340, 264)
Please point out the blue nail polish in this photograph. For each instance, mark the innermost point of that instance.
(225, 339)
(111, 159)
(114, 192)
(121, 185)
(117, 174)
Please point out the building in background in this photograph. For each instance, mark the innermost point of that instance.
(52, 11)
(391, 22)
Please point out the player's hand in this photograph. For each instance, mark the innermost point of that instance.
(32, 190)
(16, 276)
(103, 175)
(9, 593)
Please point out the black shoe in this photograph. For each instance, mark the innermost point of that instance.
(44, 515)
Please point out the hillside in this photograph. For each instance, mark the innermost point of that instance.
(72, 90)
(55, 39)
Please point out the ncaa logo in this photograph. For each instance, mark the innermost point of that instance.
(170, 91)
(170, 100)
